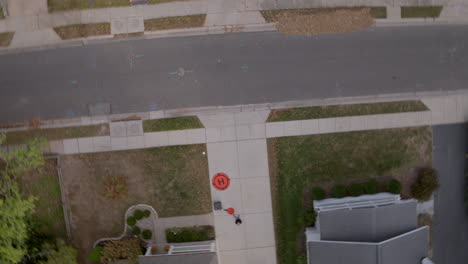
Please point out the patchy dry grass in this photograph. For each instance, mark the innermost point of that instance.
(19, 137)
(66, 5)
(314, 112)
(378, 12)
(5, 38)
(83, 30)
(298, 163)
(164, 23)
(420, 11)
(1, 13)
(175, 123)
(173, 180)
(48, 213)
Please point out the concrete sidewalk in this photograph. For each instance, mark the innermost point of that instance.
(33, 25)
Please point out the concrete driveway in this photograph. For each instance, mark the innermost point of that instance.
(450, 238)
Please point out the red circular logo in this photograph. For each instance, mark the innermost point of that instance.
(220, 181)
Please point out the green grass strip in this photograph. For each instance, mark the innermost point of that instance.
(314, 112)
(175, 123)
(271, 16)
(420, 11)
(66, 5)
(298, 163)
(378, 12)
(19, 137)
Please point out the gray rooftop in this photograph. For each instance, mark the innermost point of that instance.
(373, 224)
(408, 248)
(194, 258)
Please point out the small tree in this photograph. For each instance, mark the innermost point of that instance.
(426, 184)
(15, 209)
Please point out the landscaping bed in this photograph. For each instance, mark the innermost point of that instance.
(327, 111)
(100, 187)
(190, 234)
(420, 11)
(175, 123)
(1, 13)
(5, 38)
(83, 30)
(313, 21)
(48, 213)
(327, 159)
(22, 136)
(164, 23)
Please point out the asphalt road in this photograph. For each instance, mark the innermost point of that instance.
(229, 69)
(450, 234)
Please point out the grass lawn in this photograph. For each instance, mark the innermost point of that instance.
(176, 123)
(44, 184)
(19, 137)
(420, 11)
(173, 180)
(192, 21)
(5, 38)
(273, 15)
(327, 111)
(1, 13)
(64, 5)
(83, 30)
(378, 12)
(298, 163)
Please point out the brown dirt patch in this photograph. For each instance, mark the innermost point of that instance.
(173, 180)
(322, 21)
(5, 38)
(164, 23)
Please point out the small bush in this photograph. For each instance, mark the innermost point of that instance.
(318, 193)
(309, 217)
(146, 213)
(394, 186)
(355, 189)
(425, 185)
(338, 191)
(171, 237)
(146, 234)
(131, 221)
(136, 230)
(371, 187)
(189, 234)
(186, 236)
(138, 214)
(95, 255)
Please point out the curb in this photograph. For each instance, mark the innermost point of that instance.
(186, 32)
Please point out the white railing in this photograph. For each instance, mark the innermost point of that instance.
(363, 201)
(191, 249)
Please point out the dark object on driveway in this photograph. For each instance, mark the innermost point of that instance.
(217, 205)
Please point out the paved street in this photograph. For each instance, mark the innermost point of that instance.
(143, 75)
(451, 215)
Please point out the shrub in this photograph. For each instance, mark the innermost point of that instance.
(394, 186)
(426, 183)
(138, 214)
(146, 213)
(309, 217)
(371, 187)
(131, 221)
(170, 237)
(136, 230)
(121, 249)
(355, 189)
(318, 193)
(338, 191)
(189, 234)
(95, 254)
(146, 234)
(115, 187)
(186, 236)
